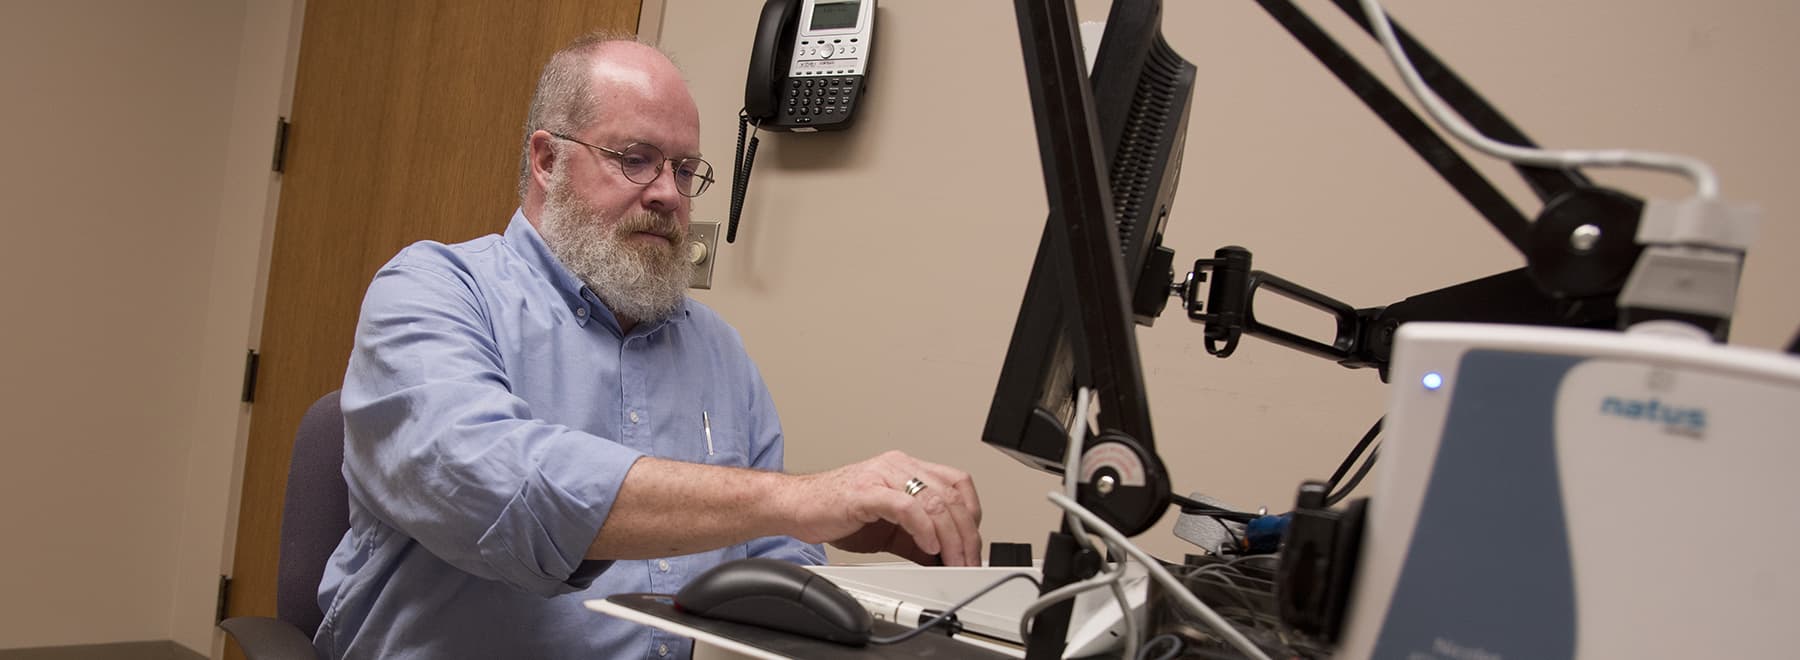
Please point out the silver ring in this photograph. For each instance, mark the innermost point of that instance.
(913, 486)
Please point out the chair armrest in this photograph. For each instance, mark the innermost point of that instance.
(263, 638)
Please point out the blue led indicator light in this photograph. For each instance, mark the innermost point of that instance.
(1432, 380)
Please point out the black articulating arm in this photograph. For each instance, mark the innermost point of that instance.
(1579, 249)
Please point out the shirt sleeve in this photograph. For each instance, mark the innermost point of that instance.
(439, 448)
(767, 454)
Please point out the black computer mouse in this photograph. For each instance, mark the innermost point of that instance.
(778, 595)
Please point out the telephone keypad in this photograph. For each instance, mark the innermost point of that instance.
(819, 100)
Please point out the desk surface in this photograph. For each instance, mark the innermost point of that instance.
(658, 610)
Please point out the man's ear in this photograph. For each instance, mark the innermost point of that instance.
(543, 158)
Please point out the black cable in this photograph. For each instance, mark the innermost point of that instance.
(1198, 508)
(1344, 467)
(740, 175)
(947, 614)
(1332, 499)
(1236, 541)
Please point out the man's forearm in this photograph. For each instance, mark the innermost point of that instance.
(667, 508)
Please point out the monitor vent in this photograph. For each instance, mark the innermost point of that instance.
(1147, 132)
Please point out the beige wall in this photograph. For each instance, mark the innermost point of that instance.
(134, 211)
(241, 238)
(878, 272)
(876, 278)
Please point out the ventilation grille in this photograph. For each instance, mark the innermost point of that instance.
(1151, 119)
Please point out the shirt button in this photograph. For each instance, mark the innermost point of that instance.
(634, 417)
(662, 649)
(662, 565)
(581, 311)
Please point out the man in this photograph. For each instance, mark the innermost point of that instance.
(539, 418)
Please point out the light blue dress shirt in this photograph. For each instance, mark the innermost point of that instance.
(492, 408)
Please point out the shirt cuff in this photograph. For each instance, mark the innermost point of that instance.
(540, 540)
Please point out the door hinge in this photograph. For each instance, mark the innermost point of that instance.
(281, 136)
(250, 360)
(224, 598)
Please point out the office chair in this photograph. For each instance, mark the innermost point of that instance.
(315, 513)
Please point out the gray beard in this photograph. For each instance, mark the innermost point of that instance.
(637, 281)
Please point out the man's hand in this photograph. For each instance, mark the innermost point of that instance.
(863, 507)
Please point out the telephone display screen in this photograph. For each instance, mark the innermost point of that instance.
(835, 15)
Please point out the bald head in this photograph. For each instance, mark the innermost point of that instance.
(598, 72)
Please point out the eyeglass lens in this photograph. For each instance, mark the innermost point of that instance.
(642, 163)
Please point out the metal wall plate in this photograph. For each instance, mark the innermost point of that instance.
(703, 241)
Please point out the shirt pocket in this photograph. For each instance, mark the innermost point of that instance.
(729, 444)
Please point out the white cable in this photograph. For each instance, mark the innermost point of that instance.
(1071, 481)
(1131, 627)
(1176, 590)
(1063, 593)
(1705, 182)
(1103, 579)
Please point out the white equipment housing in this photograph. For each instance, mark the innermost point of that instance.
(1553, 493)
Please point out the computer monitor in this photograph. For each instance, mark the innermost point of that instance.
(1110, 171)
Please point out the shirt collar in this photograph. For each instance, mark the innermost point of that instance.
(582, 302)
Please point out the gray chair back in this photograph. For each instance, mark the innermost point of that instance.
(315, 513)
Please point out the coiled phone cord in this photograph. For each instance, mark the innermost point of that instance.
(740, 173)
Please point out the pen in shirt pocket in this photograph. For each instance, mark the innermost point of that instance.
(706, 423)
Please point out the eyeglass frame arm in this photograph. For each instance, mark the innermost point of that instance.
(617, 155)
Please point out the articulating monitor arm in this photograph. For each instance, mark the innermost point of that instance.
(1364, 337)
(1596, 257)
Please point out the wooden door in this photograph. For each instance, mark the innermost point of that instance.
(407, 121)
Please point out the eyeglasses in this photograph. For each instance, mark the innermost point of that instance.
(642, 163)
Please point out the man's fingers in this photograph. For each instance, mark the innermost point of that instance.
(899, 508)
(955, 550)
(904, 546)
(956, 528)
(970, 533)
(964, 507)
(933, 507)
(957, 481)
(948, 501)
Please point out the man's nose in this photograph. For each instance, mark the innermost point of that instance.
(662, 194)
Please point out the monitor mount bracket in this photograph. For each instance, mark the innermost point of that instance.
(1585, 251)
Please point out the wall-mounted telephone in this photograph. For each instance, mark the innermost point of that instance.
(808, 64)
(808, 69)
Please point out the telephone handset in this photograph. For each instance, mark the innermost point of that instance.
(808, 67)
(808, 64)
